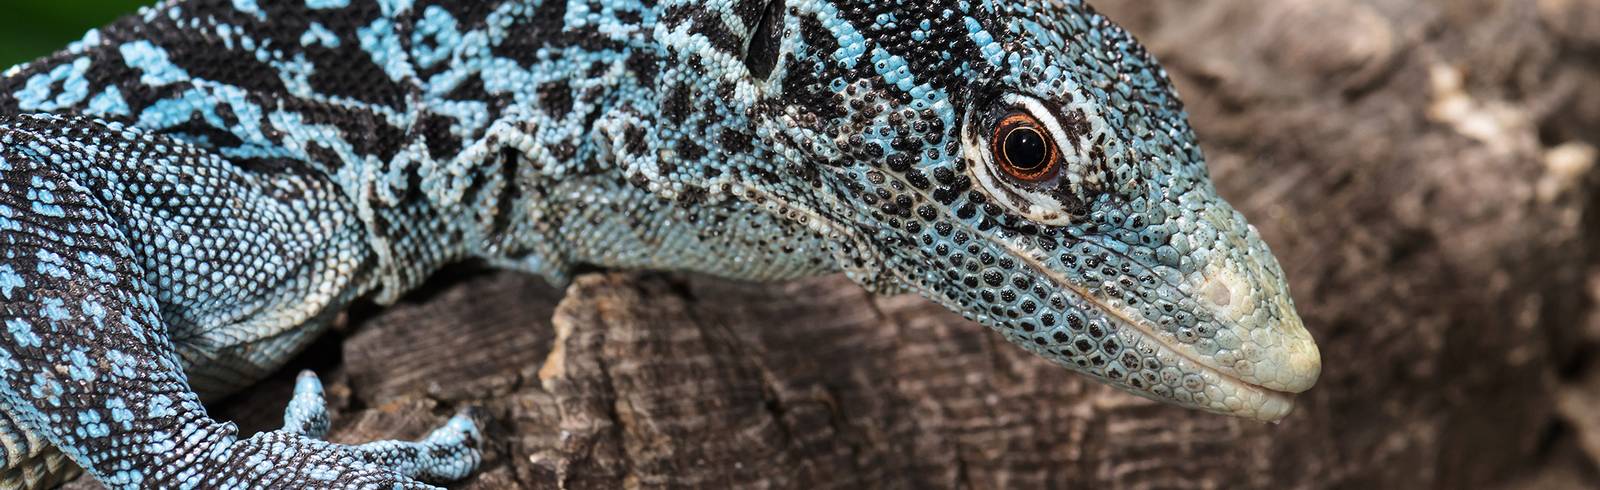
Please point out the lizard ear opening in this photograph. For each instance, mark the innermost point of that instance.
(761, 53)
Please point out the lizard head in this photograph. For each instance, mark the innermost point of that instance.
(1030, 166)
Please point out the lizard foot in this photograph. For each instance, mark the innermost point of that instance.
(447, 454)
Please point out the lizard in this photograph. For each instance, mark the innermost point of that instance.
(190, 195)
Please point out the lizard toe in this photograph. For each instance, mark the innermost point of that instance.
(448, 453)
(307, 414)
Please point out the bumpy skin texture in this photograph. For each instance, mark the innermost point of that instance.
(187, 196)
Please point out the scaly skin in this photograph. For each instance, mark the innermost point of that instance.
(189, 195)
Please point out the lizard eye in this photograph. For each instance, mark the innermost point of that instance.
(1031, 159)
(1022, 150)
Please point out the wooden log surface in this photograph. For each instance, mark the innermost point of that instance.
(1420, 167)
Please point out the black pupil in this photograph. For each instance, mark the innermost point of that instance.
(1025, 149)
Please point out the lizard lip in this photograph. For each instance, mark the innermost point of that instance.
(1240, 398)
(1226, 393)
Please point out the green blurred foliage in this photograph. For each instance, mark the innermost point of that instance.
(33, 28)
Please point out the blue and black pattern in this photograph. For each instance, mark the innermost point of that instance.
(189, 196)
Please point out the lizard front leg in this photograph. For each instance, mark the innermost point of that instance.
(86, 359)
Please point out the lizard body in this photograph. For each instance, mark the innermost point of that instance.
(189, 195)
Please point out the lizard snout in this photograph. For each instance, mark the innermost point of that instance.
(1258, 336)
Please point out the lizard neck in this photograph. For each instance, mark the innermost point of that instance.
(528, 220)
(492, 127)
(544, 186)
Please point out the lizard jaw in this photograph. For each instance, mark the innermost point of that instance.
(1225, 394)
(1209, 388)
(1206, 385)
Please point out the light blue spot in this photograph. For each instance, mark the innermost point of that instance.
(250, 8)
(990, 50)
(81, 369)
(119, 412)
(122, 365)
(52, 270)
(98, 267)
(50, 264)
(322, 473)
(161, 406)
(7, 362)
(95, 311)
(55, 310)
(9, 280)
(380, 41)
(316, 35)
(438, 23)
(131, 478)
(36, 94)
(109, 103)
(153, 62)
(23, 331)
(89, 39)
(392, 7)
(893, 69)
(327, 4)
(90, 424)
(47, 209)
(175, 111)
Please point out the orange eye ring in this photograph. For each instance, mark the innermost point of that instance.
(1023, 149)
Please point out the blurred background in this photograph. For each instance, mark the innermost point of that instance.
(1421, 168)
(32, 28)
